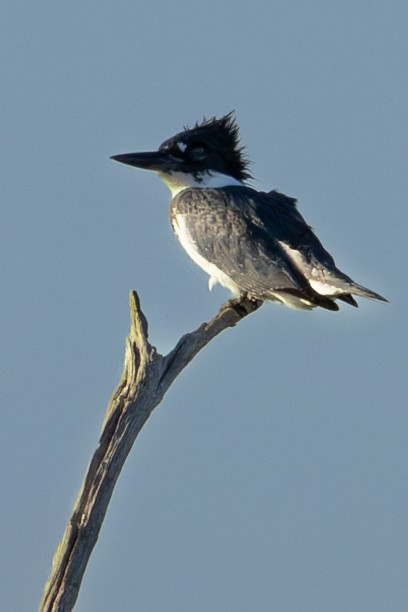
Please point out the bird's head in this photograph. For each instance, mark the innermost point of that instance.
(193, 156)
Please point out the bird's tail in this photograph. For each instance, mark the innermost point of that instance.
(356, 289)
(338, 285)
(308, 298)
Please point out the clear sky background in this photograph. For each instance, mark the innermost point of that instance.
(273, 476)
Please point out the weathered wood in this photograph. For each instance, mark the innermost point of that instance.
(146, 377)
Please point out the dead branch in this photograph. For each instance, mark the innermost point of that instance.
(146, 377)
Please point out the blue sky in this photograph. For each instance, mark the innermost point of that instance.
(273, 476)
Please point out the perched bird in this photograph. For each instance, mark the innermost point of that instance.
(253, 243)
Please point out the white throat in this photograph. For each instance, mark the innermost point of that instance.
(178, 181)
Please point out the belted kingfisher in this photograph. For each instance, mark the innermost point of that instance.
(253, 243)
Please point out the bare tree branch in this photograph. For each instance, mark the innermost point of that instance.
(146, 377)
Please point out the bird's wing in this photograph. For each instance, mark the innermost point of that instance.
(278, 216)
(228, 232)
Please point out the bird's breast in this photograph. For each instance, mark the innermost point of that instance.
(180, 226)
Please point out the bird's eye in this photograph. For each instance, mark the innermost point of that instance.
(197, 152)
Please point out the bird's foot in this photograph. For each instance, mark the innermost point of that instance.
(243, 305)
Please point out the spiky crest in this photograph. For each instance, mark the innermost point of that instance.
(221, 137)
